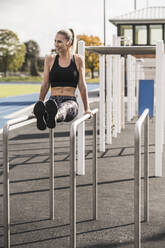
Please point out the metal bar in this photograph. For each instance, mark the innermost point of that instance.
(122, 50)
(159, 108)
(6, 187)
(102, 104)
(137, 182)
(6, 200)
(51, 173)
(73, 130)
(146, 169)
(94, 174)
(81, 132)
(137, 191)
(73, 187)
(109, 99)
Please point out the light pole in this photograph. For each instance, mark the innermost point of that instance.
(104, 24)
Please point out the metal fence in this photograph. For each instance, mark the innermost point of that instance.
(25, 120)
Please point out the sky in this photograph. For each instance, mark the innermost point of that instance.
(39, 20)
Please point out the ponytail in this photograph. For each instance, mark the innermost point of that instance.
(74, 40)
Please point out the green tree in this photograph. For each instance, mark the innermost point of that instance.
(91, 59)
(12, 52)
(31, 58)
(40, 63)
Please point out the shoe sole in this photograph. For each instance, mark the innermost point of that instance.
(39, 112)
(51, 109)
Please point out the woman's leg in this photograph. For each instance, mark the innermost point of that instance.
(67, 111)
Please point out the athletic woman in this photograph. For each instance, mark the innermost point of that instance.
(63, 72)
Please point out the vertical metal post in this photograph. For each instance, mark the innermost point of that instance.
(81, 128)
(94, 174)
(109, 98)
(73, 188)
(102, 104)
(146, 169)
(51, 173)
(137, 191)
(6, 200)
(159, 108)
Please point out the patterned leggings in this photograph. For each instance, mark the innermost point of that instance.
(67, 107)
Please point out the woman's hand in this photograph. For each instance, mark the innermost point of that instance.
(89, 112)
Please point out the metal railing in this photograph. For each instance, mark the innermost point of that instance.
(11, 125)
(25, 120)
(144, 118)
(73, 172)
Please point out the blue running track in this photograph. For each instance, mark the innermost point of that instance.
(9, 105)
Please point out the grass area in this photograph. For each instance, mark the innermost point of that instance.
(36, 79)
(22, 89)
(20, 79)
(92, 80)
(18, 89)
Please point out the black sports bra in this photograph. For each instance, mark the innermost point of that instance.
(64, 76)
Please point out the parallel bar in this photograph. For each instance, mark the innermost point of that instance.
(73, 187)
(94, 174)
(102, 104)
(158, 109)
(6, 189)
(137, 175)
(81, 132)
(51, 173)
(73, 131)
(146, 169)
(115, 97)
(109, 99)
(137, 190)
(123, 50)
(6, 194)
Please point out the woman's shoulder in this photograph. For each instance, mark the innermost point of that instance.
(79, 59)
(50, 57)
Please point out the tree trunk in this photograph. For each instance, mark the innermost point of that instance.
(92, 72)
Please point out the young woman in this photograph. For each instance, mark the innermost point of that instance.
(63, 72)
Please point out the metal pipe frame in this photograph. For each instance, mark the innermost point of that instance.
(73, 132)
(11, 125)
(144, 118)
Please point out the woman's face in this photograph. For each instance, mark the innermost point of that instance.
(61, 43)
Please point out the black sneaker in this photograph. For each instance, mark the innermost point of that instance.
(51, 109)
(39, 112)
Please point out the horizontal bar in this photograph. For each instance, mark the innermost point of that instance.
(140, 122)
(123, 50)
(19, 120)
(83, 118)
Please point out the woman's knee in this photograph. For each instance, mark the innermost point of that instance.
(71, 114)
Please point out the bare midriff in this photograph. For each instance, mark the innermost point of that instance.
(63, 91)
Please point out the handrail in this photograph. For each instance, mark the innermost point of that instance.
(11, 125)
(144, 118)
(73, 131)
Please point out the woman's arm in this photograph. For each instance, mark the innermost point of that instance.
(45, 85)
(82, 85)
